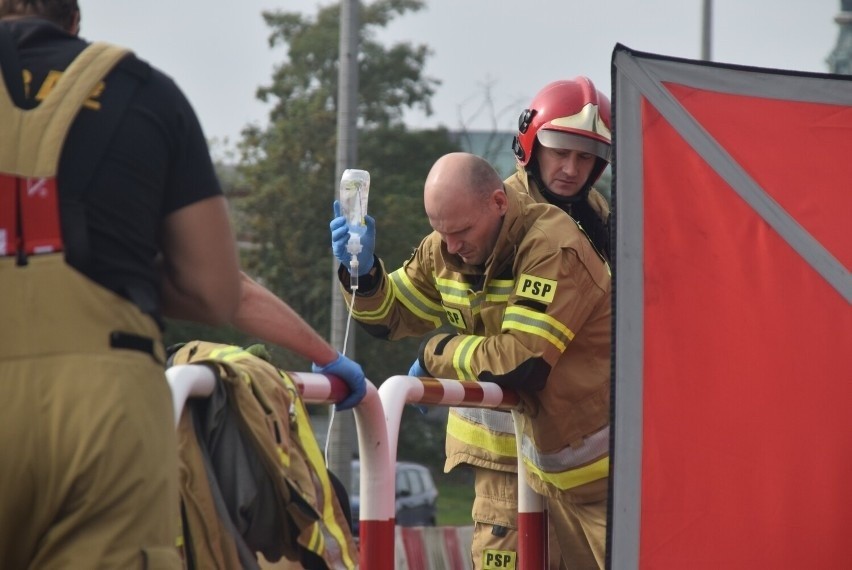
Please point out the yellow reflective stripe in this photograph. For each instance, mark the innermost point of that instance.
(283, 457)
(476, 305)
(414, 300)
(453, 291)
(499, 290)
(381, 312)
(225, 352)
(500, 287)
(304, 431)
(478, 436)
(574, 477)
(315, 543)
(232, 354)
(463, 356)
(526, 320)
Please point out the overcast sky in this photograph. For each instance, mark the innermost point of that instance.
(218, 53)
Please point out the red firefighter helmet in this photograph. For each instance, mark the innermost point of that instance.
(569, 114)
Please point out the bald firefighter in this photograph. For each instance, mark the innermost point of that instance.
(528, 299)
(562, 147)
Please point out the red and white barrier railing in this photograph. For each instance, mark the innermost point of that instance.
(377, 419)
(377, 512)
(189, 381)
(532, 517)
(400, 390)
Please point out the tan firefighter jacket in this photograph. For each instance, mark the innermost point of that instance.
(252, 476)
(536, 319)
(483, 437)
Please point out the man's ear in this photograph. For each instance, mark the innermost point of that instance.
(75, 23)
(500, 200)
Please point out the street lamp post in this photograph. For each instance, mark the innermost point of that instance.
(707, 31)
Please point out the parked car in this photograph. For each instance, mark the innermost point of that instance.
(416, 495)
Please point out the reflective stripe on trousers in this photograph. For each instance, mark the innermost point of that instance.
(571, 466)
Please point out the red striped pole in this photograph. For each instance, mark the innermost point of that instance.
(377, 510)
(532, 515)
(396, 391)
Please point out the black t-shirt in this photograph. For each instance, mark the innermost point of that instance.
(156, 162)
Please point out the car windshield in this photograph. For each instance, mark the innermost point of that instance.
(408, 479)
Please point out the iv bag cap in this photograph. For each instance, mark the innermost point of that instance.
(355, 174)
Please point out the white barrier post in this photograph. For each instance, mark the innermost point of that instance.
(377, 530)
(397, 391)
(532, 515)
(376, 516)
(189, 380)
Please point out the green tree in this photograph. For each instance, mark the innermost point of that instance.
(287, 170)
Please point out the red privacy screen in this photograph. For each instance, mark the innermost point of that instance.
(746, 369)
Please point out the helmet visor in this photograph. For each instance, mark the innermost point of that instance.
(570, 141)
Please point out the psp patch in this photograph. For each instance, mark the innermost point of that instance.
(455, 317)
(499, 560)
(536, 288)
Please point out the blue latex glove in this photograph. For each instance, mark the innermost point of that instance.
(340, 237)
(350, 372)
(417, 370)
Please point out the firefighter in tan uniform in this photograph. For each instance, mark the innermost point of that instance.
(111, 217)
(562, 148)
(528, 300)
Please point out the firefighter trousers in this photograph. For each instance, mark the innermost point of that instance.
(89, 471)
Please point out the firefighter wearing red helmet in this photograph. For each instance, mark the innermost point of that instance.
(562, 148)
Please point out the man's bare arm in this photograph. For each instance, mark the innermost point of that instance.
(200, 269)
(263, 315)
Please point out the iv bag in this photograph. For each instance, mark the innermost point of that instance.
(354, 192)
